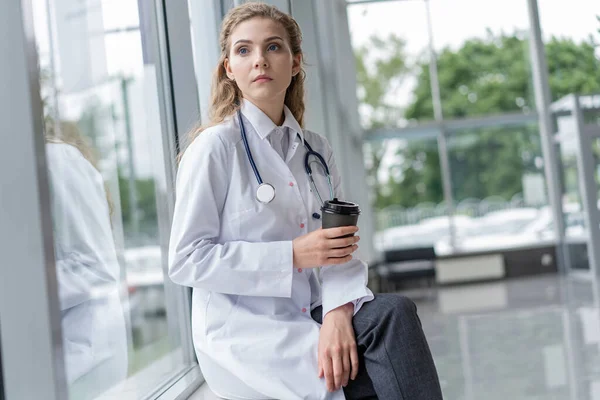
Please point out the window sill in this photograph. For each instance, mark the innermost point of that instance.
(166, 379)
(204, 393)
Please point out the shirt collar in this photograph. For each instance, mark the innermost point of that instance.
(263, 125)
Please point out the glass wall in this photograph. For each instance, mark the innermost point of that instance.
(485, 85)
(412, 212)
(571, 36)
(106, 168)
(578, 148)
(391, 51)
(482, 58)
(576, 230)
(498, 184)
(573, 67)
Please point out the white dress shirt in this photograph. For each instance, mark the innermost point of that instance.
(280, 140)
(253, 332)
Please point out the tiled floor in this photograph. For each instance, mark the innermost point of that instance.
(527, 339)
(535, 338)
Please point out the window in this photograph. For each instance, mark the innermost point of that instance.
(571, 36)
(106, 170)
(391, 48)
(482, 57)
(494, 152)
(498, 182)
(411, 211)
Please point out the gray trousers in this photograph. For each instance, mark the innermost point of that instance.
(395, 360)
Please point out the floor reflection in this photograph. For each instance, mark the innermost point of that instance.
(534, 338)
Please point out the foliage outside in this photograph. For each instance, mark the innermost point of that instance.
(485, 76)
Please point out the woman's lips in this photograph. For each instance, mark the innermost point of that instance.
(262, 79)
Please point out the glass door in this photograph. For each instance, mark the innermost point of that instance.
(579, 153)
(575, 243)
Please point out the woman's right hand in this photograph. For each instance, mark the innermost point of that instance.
(325, 247)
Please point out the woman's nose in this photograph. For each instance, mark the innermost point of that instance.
(261, 61)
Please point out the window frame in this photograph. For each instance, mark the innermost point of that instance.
(26, 240)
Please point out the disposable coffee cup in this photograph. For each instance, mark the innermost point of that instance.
(339, 213)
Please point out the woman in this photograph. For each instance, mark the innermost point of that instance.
(252, 263)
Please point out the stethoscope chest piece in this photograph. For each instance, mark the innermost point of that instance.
(265, 193)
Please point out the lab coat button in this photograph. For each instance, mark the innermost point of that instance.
(291, 183)
(304, 310)
(301, 225)
(299, 269)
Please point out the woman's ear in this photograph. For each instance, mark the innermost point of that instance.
(228, 69)
(296, 64)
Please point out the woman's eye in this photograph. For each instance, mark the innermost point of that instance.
(273, 47)
(242, 50)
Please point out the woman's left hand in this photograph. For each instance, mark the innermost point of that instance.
(338, 355)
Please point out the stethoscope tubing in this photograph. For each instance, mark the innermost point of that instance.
(307, 167)
(248, 152)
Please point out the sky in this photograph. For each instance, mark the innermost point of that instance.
(455, 21)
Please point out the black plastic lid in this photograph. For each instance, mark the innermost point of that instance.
(340, 207)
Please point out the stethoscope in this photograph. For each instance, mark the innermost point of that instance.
(265, 193)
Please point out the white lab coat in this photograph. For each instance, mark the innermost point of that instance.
(93, 325)
(252, 327)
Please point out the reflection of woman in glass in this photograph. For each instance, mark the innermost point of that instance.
(94, 340)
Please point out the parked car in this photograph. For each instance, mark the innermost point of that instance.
(507, 229)
(425, 233)
(498, 229)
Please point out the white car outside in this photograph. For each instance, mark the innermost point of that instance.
(497, 230)
(515, 228)
(425, 233)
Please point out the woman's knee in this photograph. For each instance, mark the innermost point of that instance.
(405, 305)
(398, 304)
(405, 311)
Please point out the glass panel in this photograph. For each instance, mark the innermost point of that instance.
(571, 35)
(498, 184)
(575, 229)
(106, 173)
(410, 209)
(483, 57)
(390, 43)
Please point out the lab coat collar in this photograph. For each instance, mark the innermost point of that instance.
(263, 125)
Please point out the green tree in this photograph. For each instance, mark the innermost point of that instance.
(492, 76)
(485, 76)
(146, 195)
(380, 70)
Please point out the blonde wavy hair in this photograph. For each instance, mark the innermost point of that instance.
(225, 95)
(68, 133)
